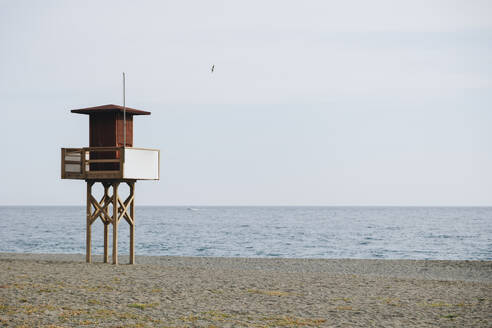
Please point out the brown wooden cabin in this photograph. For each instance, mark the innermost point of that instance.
(106, 126)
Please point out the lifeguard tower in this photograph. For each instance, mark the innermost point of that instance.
(110, 160)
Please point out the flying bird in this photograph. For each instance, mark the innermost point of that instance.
(213, 67)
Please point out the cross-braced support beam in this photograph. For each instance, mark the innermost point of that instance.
(121, 209)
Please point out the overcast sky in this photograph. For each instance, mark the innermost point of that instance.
(311, 102)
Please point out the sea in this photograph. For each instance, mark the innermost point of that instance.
(432, 233)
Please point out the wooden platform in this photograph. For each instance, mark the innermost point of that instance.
(110, 163)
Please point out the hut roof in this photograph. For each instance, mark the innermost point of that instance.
(109, 109)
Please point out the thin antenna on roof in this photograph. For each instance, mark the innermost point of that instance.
(124, 113)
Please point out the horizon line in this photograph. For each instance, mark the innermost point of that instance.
(249, 205)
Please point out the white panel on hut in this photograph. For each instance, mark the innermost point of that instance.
(141, 164)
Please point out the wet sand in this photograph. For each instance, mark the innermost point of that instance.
(58, 290)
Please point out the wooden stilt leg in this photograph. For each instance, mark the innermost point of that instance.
(132, 225)
(106, 223)
(106, 236)
(88, 227)
(115, 222)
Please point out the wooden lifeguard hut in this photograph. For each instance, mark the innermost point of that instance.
(110, 160)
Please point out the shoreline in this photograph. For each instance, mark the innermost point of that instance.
(452, 270)
(62, 290)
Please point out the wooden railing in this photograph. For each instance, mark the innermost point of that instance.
(92, 163)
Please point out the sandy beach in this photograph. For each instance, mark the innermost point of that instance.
(49, 290)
